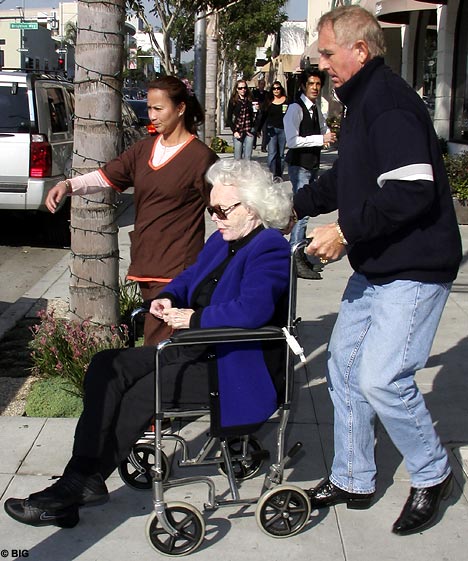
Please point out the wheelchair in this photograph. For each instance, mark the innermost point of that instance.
(282, 509)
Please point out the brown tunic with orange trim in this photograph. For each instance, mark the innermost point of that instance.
(170, 201)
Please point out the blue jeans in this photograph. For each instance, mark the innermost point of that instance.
(276, 139)
(382, 336)
(299, 177)
(243, 147)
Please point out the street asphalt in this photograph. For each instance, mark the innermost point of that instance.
(34, 449)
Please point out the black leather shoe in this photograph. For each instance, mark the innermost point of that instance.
(72, 488)
(58, 504)
(327, 494)
(23, 511)
(422, 507)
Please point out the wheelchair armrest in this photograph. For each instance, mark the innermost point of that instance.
(137, 311)
(226, 335)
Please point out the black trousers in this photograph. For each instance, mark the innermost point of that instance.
(119, 400)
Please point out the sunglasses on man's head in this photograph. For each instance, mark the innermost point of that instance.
(221, 213)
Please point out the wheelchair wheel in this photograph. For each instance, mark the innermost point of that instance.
(283, 511)
(144, 454)
(190, 527)
(243, 469)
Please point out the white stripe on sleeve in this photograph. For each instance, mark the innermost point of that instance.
(413, 172)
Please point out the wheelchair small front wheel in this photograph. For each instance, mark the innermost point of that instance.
(190, 526)
(283, 511)
(243, 468)
(141, 478)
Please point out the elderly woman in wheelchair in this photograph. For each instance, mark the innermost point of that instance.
(240, 280)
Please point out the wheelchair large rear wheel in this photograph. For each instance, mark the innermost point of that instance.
(144, 454)
(283, 511)
(243, 469)
(190, 526)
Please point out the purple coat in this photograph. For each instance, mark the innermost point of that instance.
(247, 295)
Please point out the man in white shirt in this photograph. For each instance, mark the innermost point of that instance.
(306, 133)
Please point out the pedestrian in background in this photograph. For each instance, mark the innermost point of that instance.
(306, 134)
(397, 223)
(170, 192)
(271, 122)
(241, 120)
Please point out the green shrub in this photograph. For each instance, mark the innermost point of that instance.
(457, 171)
(62, 348)
(129, 299)
(219, 145)
(53, 397)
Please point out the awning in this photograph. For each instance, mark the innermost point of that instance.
(399, 11)
(290, 63)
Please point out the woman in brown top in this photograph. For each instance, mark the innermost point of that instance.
(170, 192)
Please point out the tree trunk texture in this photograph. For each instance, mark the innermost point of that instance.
(98, 132)
(211, 77)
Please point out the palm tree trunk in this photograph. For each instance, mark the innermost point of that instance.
(94, 245)
(211, 76)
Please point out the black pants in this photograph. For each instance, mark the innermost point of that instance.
(119, 400)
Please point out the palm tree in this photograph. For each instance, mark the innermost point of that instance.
(94, 244)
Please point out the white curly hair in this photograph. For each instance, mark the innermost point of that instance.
(268, 197)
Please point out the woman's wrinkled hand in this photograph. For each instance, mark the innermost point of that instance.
(159, 306)
(178, 318)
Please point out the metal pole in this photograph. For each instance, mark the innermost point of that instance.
(199, 67)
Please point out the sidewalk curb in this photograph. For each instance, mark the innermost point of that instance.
(22, 307)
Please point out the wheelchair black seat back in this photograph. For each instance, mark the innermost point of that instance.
(235, 411)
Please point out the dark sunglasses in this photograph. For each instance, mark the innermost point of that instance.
(275, 88)
(241, 87)
(221, 213)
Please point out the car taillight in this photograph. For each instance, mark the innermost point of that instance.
(40, 159)
(151, 129)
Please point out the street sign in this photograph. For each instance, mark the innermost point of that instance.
(24, 25)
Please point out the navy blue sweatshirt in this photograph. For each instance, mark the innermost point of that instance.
(388, 183)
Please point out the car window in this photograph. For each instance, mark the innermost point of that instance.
(14, 108)
(57, 109)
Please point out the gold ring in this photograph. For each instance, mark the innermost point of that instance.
(323, 261)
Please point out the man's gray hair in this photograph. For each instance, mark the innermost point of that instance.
(353, 23)
(269, 198)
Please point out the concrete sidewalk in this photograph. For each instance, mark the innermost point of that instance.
(35, 449)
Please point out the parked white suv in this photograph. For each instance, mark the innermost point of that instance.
(36, 137)
(36, 143)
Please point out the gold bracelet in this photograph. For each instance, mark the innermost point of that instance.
(68, 185)
(343, 240)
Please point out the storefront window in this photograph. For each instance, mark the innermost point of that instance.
(460, 89)
(430, 70)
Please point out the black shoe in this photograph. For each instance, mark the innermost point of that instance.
(305, 269)
(21, 510)
(327, 494)
(58, 504)
(72, 488)
(422, 507)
